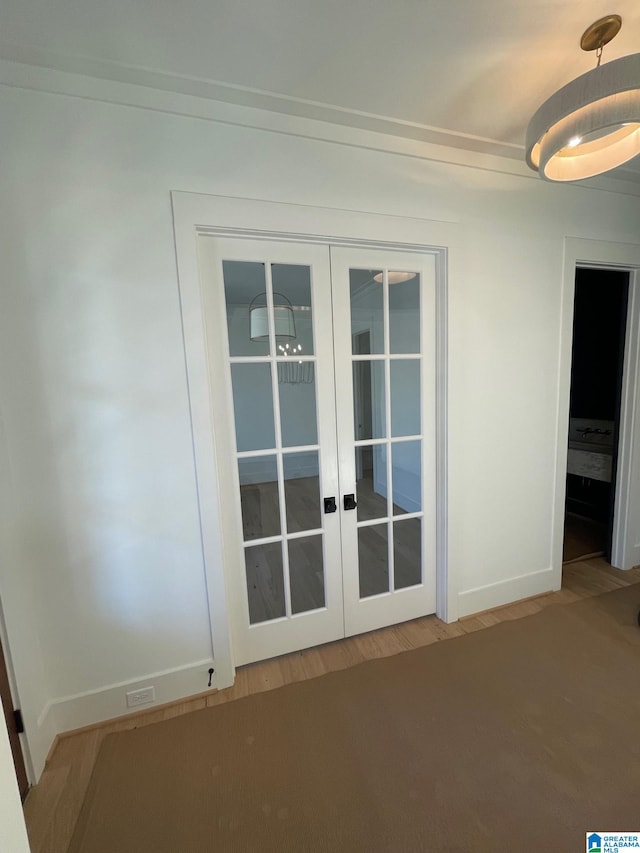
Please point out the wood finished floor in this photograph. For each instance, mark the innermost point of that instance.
(52, 806)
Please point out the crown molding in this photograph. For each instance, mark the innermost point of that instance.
(234, 105)
(255, 98)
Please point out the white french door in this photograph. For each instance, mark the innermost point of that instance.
(325, 442)
(384, 344)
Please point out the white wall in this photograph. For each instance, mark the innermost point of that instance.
(106, 572)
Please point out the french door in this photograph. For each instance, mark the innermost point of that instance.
(325, 360)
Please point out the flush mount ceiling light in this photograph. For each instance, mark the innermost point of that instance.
(396, 277)
(592, 124)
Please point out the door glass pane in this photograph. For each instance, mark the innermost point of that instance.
(302, 491)
(298, 417)
(367, 311)
(371, 481)
(292, 290)
(253, 406)
(243, 281)
(306, 573)
(406, 477)
(265, 582)
(405, 397)
(373, 560)
(407, 553)
(368, 400)
(404, 314)
(259, 497)
(295, 371)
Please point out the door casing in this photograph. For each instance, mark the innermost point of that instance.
(625, 551)
(199, 216)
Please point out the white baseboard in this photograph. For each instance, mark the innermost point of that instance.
(506, 592)
(95, 706)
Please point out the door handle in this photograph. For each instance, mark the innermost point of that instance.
(330, 505)
(350, 502)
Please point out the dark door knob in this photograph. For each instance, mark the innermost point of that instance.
(330, 505)
(350, 502)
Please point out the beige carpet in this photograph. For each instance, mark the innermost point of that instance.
(520, 737)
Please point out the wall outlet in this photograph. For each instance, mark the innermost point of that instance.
(144, 696)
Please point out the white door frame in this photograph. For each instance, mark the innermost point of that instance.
(198, 215)
(625, 550)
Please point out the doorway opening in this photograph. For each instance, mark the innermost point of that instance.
(599, 326)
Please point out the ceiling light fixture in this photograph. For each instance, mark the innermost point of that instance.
(396, 277)
(592, 124)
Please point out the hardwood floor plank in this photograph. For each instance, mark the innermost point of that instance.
(266, 675)
(476, 623)
(522, 608)
(78, 755)
(441, 630)
(417, 633)
(42, 804)
(378, 644)
(300, 666)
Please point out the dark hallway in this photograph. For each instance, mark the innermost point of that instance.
(600, 312)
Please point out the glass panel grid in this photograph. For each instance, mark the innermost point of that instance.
(373, 560)
(372, 521)
(274, 511)
(301, 534)
(402, 414)
(369, 407)
(373, 442)
(243, 282)
(292, 285)
(367, 310)
(371, 481)
(265, 582)
(253, 405)
(306, 557)
(407, 553)
(404, 314)
(297, 405)
(260, 504)
(400, 356)
(405, 397)
(280, 359)
(302, 491)
(406, 477)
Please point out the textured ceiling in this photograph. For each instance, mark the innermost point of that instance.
(472, 70)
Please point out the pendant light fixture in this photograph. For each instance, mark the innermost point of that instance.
(283, 320)
(592, 124)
